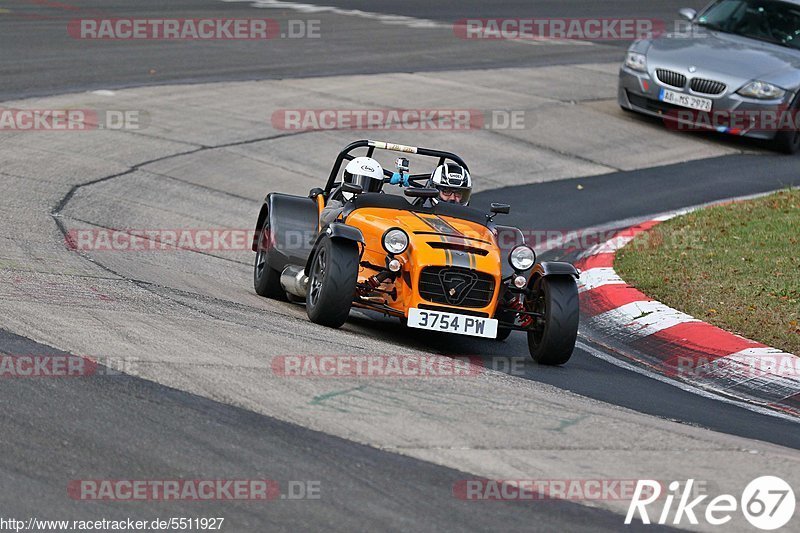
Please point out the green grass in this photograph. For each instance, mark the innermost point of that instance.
(736, 266)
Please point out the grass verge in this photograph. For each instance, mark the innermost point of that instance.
(736, 266)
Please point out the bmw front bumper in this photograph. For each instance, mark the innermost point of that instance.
(639, 91)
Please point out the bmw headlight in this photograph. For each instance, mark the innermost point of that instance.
(395, 241)
(636, 61)
(522, 258)
(761, 90)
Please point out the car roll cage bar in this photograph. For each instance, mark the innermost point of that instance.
(381, 145)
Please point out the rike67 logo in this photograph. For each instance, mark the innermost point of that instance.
(767, 502)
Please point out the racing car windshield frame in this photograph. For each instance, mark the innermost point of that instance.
(391, 201)
(345, 155)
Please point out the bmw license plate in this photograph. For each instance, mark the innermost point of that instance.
(452, 323)
(685, 100)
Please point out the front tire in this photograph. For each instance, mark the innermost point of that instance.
(502, 334)
(788, 142)
(266, 280)
(552, 340)
(332, 282)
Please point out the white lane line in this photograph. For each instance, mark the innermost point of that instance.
(396, 20)
(411, 22)
(684, 386)
(670, 216)
(598, 277)
(640, 319)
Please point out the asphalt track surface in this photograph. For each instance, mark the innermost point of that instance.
(170, 434)
(366, 488)
(39, 56)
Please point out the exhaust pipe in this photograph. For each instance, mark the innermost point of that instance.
(294, 281)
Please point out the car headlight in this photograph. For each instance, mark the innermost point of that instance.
(761, 90)
(395, 241)
(636, 61)
(522, 258)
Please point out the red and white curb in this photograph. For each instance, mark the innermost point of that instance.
(676, 344)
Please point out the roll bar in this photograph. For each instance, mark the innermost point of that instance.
(381, 145)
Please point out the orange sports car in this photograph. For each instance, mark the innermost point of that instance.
(400, 251)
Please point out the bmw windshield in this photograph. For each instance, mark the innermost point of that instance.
(765, 20)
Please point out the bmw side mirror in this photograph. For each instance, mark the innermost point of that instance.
(688, 13)
(352, 188)
(500, 209)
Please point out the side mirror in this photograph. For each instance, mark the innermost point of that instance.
(688, 13)
(413, 192)
(316, 191)
(352, 188)
(500, 209)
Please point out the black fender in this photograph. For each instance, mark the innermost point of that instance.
(262, 217)
(336, 230)
(293, 222)
(552, 268)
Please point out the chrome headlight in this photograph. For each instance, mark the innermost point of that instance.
(636, 61)
(395, 241)
(762, 90)
(522, 258)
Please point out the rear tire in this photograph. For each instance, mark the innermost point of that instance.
(332, 282)
(266, 280)
(295, 299)
(553, 339)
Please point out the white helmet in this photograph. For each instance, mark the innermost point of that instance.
(366, 172)
(453, 182)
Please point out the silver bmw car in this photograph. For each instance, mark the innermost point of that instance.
(736, 70)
